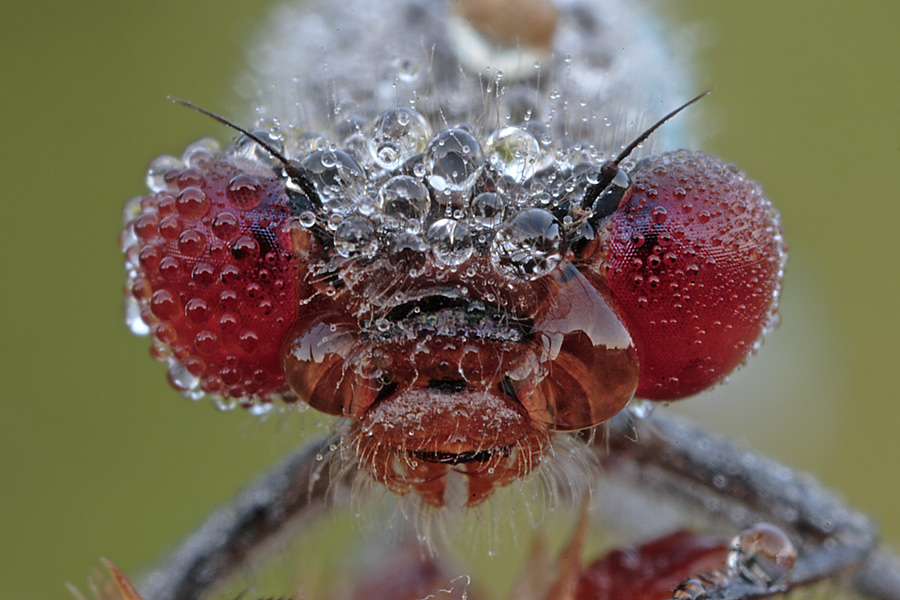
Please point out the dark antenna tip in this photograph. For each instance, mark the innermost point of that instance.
(640, 139)
(234, 126)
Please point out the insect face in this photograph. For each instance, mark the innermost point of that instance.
(459, 306)
(460, 291)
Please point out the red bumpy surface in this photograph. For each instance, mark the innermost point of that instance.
(215, 277)
(694, 260)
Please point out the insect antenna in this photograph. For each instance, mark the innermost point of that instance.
(609, 170)
(292, 168)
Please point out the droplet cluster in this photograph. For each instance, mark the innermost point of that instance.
(211, 274)
(399, 187)
(694, 257)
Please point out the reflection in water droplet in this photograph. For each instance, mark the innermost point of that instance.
(133, 317)
(156, 172)
(244, 192)
(307, 218)
(223, 404)
(529, 246)
(403, 198)
(763, 554)
(450, 242)
(397, 135)
(199, 153)
(338, 179)
(355, 236)
(250, 149)
(513, 152)
(659, 214)
(182, 379)
(487, 210)
(453, 160)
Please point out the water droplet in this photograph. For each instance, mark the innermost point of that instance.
(191, 243)
(228, 323)
(245, 247)
(397, 135)
(170, 228)
(307, 218)
(259, 408)
(408, 248)
(641, 409)
(199, 154)
(192, 204)
(659, 214)
(133, 317)
(224, 403)
(528, 246)
(406, 70)
(197, 310)
(450, 241)
(762, 553)
(226, 226)
(248, 340)
(453, 160)
(251, 150)
(156, 172)
(513, 152)
(355, 236)
(487, 210)
(244, 191)
(182, 379)
(403, 198)
(146, 227)
(189, 177)
(338, 179)
(164, 304)
(170, 268)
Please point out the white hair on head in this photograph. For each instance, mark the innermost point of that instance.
(332, 67)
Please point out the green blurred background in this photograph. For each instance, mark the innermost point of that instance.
(101, 457)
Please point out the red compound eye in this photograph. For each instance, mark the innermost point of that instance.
(214, 276)
(695, 258)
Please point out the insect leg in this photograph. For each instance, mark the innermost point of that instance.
(680, 461)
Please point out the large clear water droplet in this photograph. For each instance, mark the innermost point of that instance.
(514, 152)
(156, 172)
(184, 381)
(453, 160)
(450, 241)
(338, 179)
(763, 554)
(397, 135)
(355, 236)
(529, 246)
(403, 198)
(487, 210)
